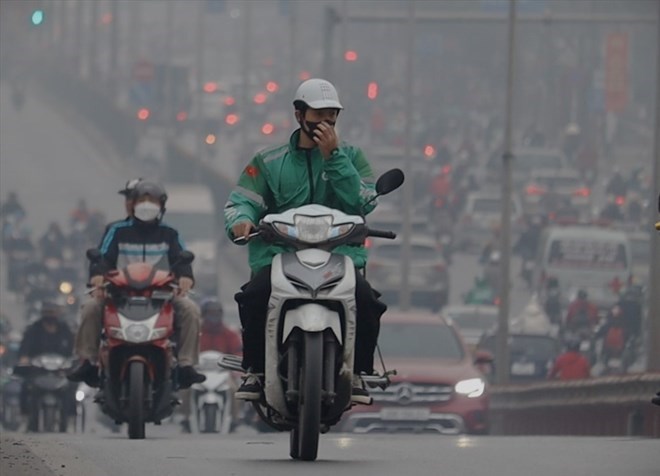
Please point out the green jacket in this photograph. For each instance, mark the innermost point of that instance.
(284, 177)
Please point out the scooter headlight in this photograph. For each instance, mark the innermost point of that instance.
(312, 229)
(473, 387)
(137, 333)
(80, 396)
(66, 287)
(159, 333)
(116, 333)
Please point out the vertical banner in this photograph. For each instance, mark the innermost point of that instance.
(616, 72)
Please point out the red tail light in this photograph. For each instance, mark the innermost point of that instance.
(446, 169)
(582, 192)
(620, 200)
(368, 243)
(534, 189)
(143, 114)
(231, 119)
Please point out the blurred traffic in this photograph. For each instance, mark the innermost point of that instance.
(582, 197)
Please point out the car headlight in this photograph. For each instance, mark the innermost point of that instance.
(473, 387)
(137, 333)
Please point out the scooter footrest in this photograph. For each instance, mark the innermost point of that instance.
(378, 381)
(231, 362)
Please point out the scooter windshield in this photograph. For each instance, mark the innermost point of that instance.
(138, 308)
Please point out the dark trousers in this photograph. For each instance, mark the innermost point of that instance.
(253, 307)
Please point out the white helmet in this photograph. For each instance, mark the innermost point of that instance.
(317, 94)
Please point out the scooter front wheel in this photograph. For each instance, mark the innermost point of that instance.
(309, 407)
(136, 401)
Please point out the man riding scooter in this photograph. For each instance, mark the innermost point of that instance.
(216, 336)
(141, 238)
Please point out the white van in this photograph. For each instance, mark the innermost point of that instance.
(191, 210)
(595, 259)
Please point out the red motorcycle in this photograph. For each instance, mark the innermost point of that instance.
(137, 354)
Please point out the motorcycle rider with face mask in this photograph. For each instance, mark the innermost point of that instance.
(142, 237)
(314, 167)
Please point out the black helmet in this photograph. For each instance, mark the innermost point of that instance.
(150, 188)
(130, 186)
(582, 294)
(212, 310)
(51, 308)
(573, 343)
(211, 305)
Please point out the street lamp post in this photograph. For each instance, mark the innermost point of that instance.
(502, 349)
(408, 190)
(654, 287)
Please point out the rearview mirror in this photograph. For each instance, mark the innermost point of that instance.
(389, 181)
(94, 255)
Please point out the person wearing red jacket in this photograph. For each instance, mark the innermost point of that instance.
(581, 313)
(215, 334)
(571, 365)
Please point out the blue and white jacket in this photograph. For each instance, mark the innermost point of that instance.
(129, 241)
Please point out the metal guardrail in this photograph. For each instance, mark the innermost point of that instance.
(614, 406)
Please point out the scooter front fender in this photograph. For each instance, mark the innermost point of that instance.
(312, 318)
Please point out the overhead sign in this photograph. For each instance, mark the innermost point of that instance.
(616, 72)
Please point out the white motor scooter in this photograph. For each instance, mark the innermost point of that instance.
(213, 399)
(311, 322)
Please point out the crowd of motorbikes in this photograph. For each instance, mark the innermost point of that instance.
(37, 394)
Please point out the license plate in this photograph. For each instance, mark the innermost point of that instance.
(616, 363)
(405, 413)
(527, 368)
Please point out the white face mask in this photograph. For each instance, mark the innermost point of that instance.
(146, 211)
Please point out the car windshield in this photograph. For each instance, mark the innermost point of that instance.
(584, 253)
(559, 182)
(472, 319)
(191, 226)
(491, 206)
(419, 253)
(534, 347)
(532, 161)
(408, 340)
